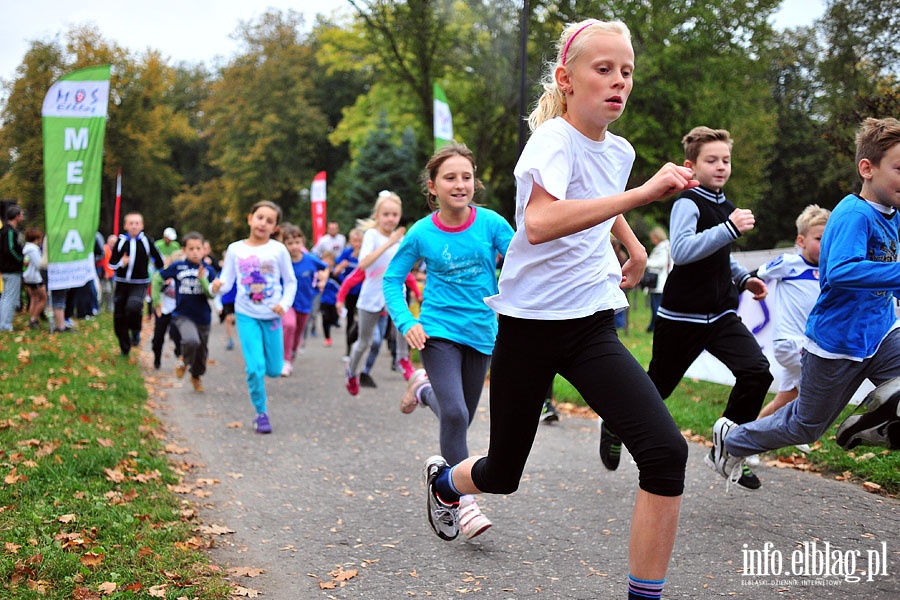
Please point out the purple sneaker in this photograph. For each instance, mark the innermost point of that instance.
(261, 423)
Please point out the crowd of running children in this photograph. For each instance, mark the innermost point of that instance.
(835, 302)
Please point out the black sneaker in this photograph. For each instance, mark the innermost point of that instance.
(610, 447)
(876, 421)
(748, 479)
(442, 517)
(365, 380)
(156, 364)
(548, 413)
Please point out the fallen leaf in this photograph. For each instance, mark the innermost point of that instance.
(107, 587)
(239, 590)
(91, 559)
(245, 571)
(69, 518)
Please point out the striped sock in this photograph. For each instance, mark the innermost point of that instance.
(639, 589)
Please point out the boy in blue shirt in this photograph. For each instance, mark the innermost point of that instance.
(192, 314)
(852, 332)
(306, 266)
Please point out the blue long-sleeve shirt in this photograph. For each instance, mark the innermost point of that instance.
(461, 267)
(859, 277)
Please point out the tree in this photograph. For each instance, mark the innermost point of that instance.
(381, 164)
(22, 167)
(414, 42)
(264, 131)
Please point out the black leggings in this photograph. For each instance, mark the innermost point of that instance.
(588, 353)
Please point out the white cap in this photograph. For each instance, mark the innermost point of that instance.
(169, 233)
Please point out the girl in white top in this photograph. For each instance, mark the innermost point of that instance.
(379, 245)
(34, 283)
(559, 289)
(261, 269)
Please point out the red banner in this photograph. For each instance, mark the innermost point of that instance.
(317, 197)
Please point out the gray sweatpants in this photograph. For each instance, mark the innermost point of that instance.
(826, 387)
(366, 323)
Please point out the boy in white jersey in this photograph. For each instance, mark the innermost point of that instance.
(796, 293)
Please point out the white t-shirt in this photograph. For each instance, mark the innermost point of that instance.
(371, 296)
(264, 277)
(579, 274)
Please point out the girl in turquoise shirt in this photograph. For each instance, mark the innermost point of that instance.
(459, 244)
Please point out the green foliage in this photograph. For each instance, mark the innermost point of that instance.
(381, 165)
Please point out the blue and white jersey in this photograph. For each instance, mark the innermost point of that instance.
(795, 293)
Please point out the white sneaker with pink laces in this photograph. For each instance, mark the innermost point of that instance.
(472, 521)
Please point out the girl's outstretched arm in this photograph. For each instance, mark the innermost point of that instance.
(546, 219)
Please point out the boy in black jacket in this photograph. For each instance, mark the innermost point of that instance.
(130, 259)
(11, 261)
(700, 299)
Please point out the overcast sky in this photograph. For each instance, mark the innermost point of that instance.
(188, 30)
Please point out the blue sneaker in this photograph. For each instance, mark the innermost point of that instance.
(229, 345)
(261, 423)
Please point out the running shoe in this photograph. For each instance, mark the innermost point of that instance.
(352, 384)
(229, 345)
(442, 517)
(548, 413)
(366, 381)
(261, 423)
(610, 447)
(407, 368)
(287, 369)
(732, 468)
(328, 342)
(472, 521)
(410, 400)
(876, 421)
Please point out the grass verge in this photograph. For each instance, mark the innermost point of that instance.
(695, 405)
(86, 509)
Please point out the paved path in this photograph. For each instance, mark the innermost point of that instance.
(336, 493)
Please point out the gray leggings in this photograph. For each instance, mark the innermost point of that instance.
(456, 373)
(366, 323)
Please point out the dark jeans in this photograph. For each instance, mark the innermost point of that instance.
(163, 324)
(128, 311)
(588, 353)
(676, 344)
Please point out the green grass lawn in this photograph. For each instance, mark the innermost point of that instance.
(695, 406)
(85, 504)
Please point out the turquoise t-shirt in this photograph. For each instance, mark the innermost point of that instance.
(461, 267)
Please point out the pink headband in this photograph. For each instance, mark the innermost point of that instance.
(572, 37)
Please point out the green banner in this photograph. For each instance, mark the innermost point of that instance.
(74, 120)
(443, 123)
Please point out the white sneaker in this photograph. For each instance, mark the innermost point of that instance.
(409, 401)
(443, 518)
(287, 369)
(804, 448)
(472, 521)
(752, 460)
